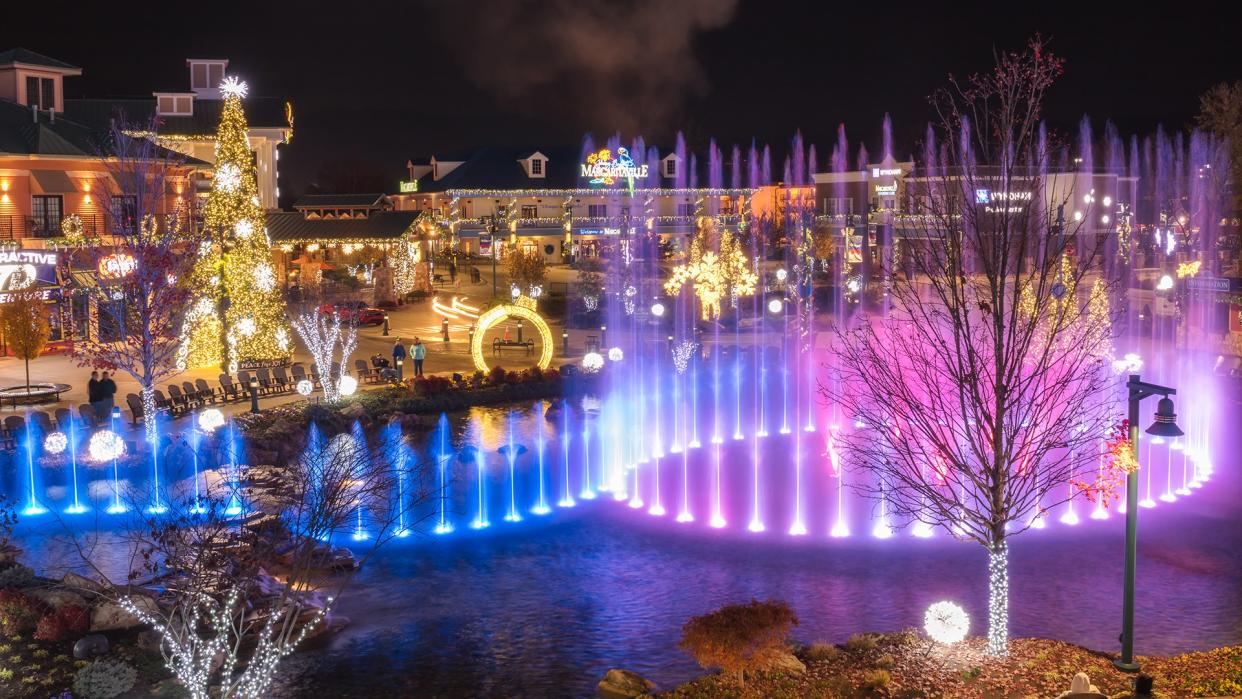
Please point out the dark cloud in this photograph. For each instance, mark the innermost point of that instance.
(624, 65)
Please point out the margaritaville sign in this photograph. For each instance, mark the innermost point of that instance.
(603, 167)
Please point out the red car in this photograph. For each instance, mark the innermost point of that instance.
(355, 312)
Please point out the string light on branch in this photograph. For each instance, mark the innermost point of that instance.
(998, 600)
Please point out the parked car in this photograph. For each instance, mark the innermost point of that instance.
(355, 312)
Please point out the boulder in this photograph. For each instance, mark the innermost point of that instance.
(90, 646)
(623, 684)
(78, 583)
(57, 597)
(786, 662)
(149, 641)
(110, 616)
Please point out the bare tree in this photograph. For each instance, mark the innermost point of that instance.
(145, 259)
(322, 333)
(244, 569)
(984, 391)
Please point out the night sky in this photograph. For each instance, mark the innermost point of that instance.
(374, 84)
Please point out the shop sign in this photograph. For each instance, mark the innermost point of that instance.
(885, 171)
(116, 266)
(407, 187)
(247, 364)
(603, 168)
(886, 189)
(1219, 284)
(485, 243)
(599, 231)
(20, 269)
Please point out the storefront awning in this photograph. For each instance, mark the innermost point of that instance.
(53, 181)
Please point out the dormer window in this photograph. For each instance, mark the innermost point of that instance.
(174, 104)
(536, 167)
(670, 166)
(535, 164)
(206, 76)
(41, 92)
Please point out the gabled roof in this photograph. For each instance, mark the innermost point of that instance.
(341, 201)
(500, 168)
(20, 134)
(33, 58)
(293, 227)
(261, 113)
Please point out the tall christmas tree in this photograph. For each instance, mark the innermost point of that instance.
(240, 319)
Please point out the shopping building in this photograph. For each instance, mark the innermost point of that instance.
(565, 203)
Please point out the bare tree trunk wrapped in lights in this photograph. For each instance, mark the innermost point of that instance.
(237, 597)
(144, 259)
(984, 392)
(323, 333)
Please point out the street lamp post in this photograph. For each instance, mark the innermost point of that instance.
(400, 369)
(492, 250)
(254, 395)
(385, 323)
(1164, 426)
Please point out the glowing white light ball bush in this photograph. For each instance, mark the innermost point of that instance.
(945, 622)
(210, 419)
(348, 385)
(592, 362)
(305, 387)
(615, 354)
(106, 445)
(55, 442)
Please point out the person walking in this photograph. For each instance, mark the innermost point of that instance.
(92, 394)
(420, 353)
(398, 352)
(107, 391)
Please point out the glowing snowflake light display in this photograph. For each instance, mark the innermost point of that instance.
(244, 228)
(246, 327)
(232, 87)
(946, 622)
(305, 387)
(592, 362)
(228, 179)
(210, 419)
(55, 442)
(264, 277)
(106, 445)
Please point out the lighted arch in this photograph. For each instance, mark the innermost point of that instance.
(496, 314)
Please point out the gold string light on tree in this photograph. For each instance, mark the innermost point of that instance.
(241, 316)
(716, 271)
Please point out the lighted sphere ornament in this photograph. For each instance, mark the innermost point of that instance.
(347, 385)
(946, 622)
(615, 354)
(305, 387)
(781, 274)
(106, 445)
(592, 362)
(657, 309)
(55, 442)
(210, 419)
(775, 306)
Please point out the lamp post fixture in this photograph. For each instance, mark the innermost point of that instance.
(1164, 426)
(492, 250)
(400, 370)
(565, 344)
(385, 323)
(254, 395)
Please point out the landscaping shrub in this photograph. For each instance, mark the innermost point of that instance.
(860, 642)
(18, 612)
(496, 376)
(16, 575)
(739, 637)
(104, 679)
(876, 678)
(885, 662)
(822, 651)
(68, 622)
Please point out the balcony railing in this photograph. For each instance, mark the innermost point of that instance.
(17, 226)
